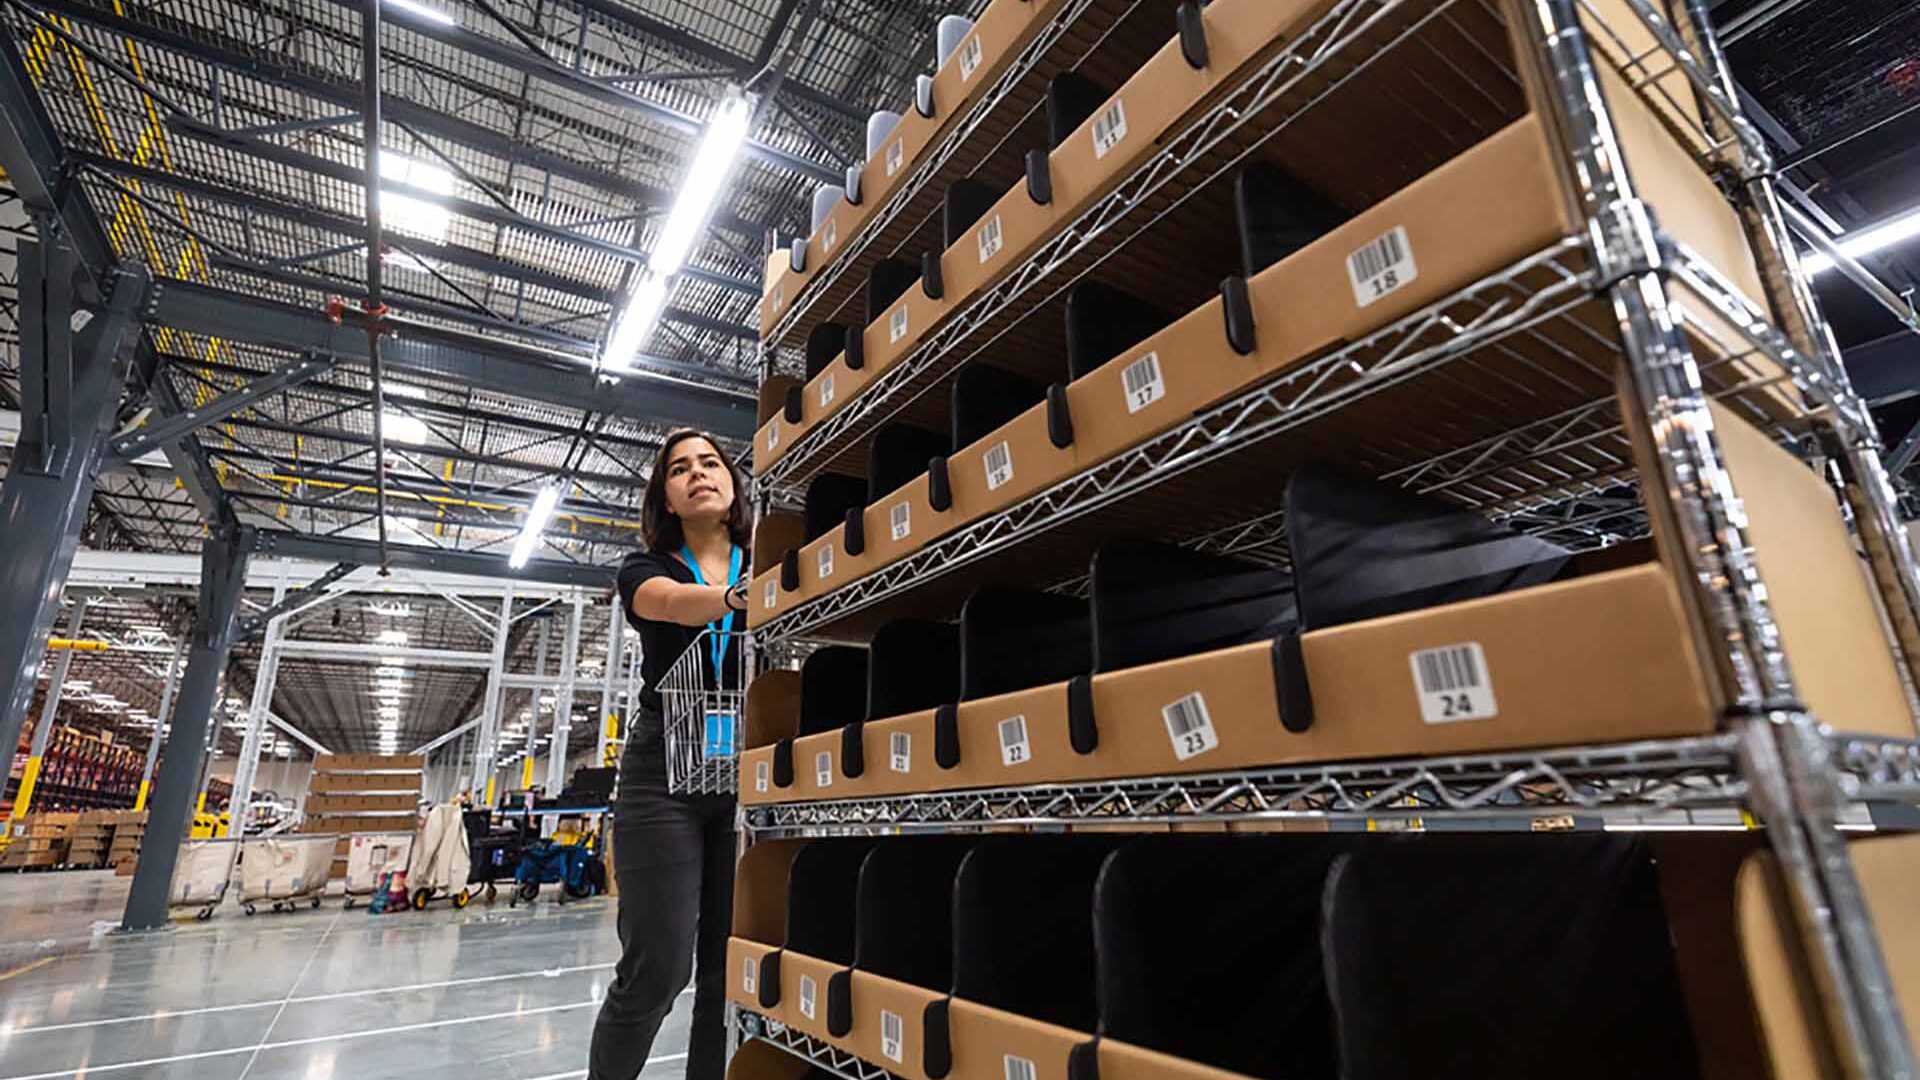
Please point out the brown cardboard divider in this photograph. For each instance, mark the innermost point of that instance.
(776, 534)
(983, 1039)
(806, 983)
(772, 708)
(760, 891)
(753, 977)
(874, 997)
(756, 1060)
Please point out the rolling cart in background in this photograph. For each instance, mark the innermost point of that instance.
(285, 870)
(371, 856)
(202, 874)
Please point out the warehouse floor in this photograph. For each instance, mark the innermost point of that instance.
(486, 992)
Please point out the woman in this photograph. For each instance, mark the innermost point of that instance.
(673, 855)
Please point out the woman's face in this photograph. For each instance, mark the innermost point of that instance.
(699, 484)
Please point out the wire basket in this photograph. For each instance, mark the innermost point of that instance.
(701, 718)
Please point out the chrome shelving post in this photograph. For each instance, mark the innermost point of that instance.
(1784, 755)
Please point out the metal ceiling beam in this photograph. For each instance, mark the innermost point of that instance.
(479, 210)
(428, 515)
(483, 363)
(516, 57)
(208, 45)
(170, 428)
(413, 557)
(354, 438)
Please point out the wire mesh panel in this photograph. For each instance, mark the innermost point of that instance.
(701, 714)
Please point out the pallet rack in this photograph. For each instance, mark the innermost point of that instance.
(1565, 472)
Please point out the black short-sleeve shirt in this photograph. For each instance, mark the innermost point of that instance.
(663, 643)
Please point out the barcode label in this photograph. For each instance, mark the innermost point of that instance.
(826, 389)
(1109, 128)
(1381, 267)
(900, 751)
(999, 465)
(970, 57)
(900, 521)
(749, 974)
(1143, 382)
(779, 297)
(1018, 1068)
(989, 238)
(1013, 741)
(896, 156)
(892, 1034)
(822, 773)
(1190, 727)
(761, 780)
(897, 324)
(826, 562)
(830, 236)
(773, 592)
(1453, 683)
(773, 436)
(809, 992)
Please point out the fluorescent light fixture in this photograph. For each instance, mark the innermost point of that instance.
(401, 428)
(389, 660)
(1867, 241)
(412, 7)
(726, 130)
(392, 609)
(391, 637)
(394, 672)
(406, 213)
(537, 517)
(636, 322)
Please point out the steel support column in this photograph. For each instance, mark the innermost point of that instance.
(563, 701)
(74, 357)
(533, 703)
(489, 740)
(606, 720)
(159, 727)
(245, 770)
(43, 731)
(223, 573)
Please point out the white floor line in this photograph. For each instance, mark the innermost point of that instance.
(94, 1070)
(166, 1014)
(297, 980)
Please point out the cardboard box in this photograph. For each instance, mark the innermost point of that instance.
(327, 782)
(805, 984)
(984, 1039)
(402, 803)
(874, 999)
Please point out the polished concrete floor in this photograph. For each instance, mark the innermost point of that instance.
(488, 992)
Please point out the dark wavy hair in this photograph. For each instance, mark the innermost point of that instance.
(661, 528)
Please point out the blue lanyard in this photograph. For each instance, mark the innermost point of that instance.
(717, 646)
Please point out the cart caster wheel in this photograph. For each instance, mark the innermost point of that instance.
(492, 893)
(203, 914)
(420, 898)
(462, 898)
(249, 909)
(529, 892)
(348, 906)
(316, 903)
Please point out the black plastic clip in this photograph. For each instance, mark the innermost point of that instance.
(783, 763)
(932, 281)
(946, 736)
(790, 570)
(1082, 729)
(856, 352)
(1039, 178)
(1083, 1061)
(939, 487)
(1290, 685)
(840, 1003)
(770, 980)
(1238, 306)
(1193, 34)
(796, 407)
(937, 1060)
(1059, 417)
(853, 535)
(853, 751)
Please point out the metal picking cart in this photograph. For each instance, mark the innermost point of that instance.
(702, 719)
(201, 875)
(285, 870)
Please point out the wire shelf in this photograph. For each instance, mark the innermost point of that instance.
(819, 1052)
(701, 717)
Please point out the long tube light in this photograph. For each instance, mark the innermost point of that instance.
(537, 517)
(1873, 238)
(699, 190)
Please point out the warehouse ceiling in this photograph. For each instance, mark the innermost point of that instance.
(221, 145)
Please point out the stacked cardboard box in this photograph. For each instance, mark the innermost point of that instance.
(124, 851)
(38, 840)
(88, 839)
(351, 793)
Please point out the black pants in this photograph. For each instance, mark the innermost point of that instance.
(673, 860)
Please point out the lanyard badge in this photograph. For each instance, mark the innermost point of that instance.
(721, 723)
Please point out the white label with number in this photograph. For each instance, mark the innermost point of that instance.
(826, 562)
(773, 436)
(773, 592)
(826, 389)
(1014, 747)
(830, 236)
(749, 974)
(900, 520)
(892, 1035)
(1018, 1068)
(896, 156)
(1109, 128)
(823, 769)
(1453, 683)
(1382, 266)
(999, 463)
(900, 751)
(1190, 727)
(897, 324)
(809, 993)
(989, 238)
(779, 297)
(1143, 382)
(761, 780)
(970, 57)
